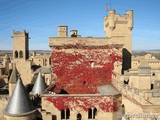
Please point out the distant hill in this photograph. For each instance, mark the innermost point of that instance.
(155, 53)
(9, 52)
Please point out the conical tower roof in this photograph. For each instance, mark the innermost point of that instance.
(14, 75)
(39, 85)
(19, 103)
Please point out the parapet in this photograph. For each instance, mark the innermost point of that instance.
(19, 33)
(112, 19)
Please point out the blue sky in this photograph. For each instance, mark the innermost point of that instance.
(41, 18)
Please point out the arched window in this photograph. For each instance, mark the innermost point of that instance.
(65, 113)
(16, 54)
(20, 54)
(54, 117)
(62, 114)
(79, 116)
(89, 113)
(94, 113)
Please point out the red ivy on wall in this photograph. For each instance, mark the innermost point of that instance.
(80, 71)
(107, 104)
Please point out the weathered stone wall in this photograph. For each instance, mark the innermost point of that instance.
(106, 106)
(3, 103)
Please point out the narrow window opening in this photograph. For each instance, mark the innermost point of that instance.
(79, 116)
(94, 113)
(89, 113)
(63, 114)
(16, 54)
(67, 113)
(21, 54)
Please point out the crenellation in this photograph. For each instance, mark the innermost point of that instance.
(20, 34)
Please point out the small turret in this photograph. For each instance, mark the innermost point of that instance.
(73, 33)
(19, 106)
(13, 80)
(39, 85)
(62, 31)
(130, 19)
(111, 18)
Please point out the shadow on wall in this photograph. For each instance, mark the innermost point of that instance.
(126, 60)
(2, 82)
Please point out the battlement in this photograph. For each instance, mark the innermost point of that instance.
(112, 19)
(19, 33)
(85, 41)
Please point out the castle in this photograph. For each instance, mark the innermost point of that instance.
(92, 78)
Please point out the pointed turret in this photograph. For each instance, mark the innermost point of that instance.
(14, 75)
(39, 85)
(19, 103)
(13, 79)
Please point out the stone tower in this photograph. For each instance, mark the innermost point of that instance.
(121, 26)
(21, 55)
(20, 45)
(62, 31)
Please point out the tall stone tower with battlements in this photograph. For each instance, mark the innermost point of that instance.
(118, 26)
(20, 45)
(21, 55)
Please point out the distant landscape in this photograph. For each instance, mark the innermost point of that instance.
(155, 53)
(9, 52)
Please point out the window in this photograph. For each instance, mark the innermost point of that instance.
(54, 117)
(21, 54)
(92, 64)
(79, 116)
(65, 113)
(152, 86)
(89, 113)
(92, 112)
(16, 54)
(153, 74)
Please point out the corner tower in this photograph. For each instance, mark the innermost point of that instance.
(120, 26)
(117, 26)
(20, 45)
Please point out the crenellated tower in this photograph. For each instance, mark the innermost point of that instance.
(21, 55)
(116, 26)
(20, 45)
